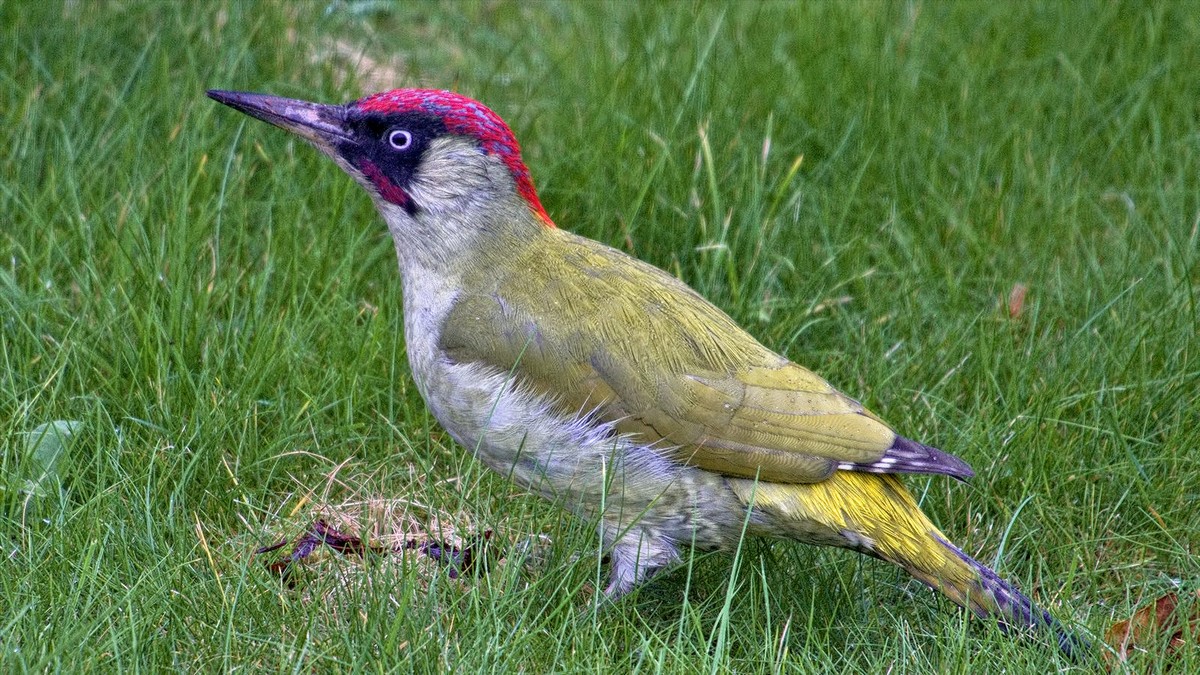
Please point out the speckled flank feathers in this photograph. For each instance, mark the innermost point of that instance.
(468, 117)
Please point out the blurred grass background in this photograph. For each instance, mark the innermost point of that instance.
(981, 219)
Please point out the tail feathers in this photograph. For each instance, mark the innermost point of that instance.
(876, 515)
(986, 594)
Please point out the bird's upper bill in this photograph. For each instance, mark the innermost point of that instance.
(329, 126)
(317, 123)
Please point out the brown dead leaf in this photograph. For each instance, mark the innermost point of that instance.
(1016, 300)
(1150, 624)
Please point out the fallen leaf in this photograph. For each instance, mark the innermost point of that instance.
(1016, 300)
(1149, 625)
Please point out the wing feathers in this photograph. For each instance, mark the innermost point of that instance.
(908, 456)
(648, 354)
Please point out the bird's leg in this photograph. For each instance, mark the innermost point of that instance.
(635, 557)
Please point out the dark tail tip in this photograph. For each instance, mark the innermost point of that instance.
(1017, 613)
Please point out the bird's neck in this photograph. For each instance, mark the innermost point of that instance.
(444, 256)
(452, 242)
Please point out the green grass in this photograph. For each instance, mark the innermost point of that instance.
(860, 185)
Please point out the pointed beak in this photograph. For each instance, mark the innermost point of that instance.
(322, 125)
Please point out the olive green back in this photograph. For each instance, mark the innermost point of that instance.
(602, 331)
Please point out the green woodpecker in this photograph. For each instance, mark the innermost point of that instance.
(603, 383)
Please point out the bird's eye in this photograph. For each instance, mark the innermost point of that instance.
(400, 139)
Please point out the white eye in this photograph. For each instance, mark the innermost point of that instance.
(400, 139)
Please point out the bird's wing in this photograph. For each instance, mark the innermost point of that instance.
(643, 350)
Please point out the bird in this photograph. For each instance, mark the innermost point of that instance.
(612, 388)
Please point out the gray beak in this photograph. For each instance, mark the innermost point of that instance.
(316, 123)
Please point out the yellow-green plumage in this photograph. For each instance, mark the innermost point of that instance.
(601, 382)
(600, 329)
(879, 507)
(601, 333)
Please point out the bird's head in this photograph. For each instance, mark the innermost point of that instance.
(425, 156)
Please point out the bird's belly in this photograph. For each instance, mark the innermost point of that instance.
(579, 461)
